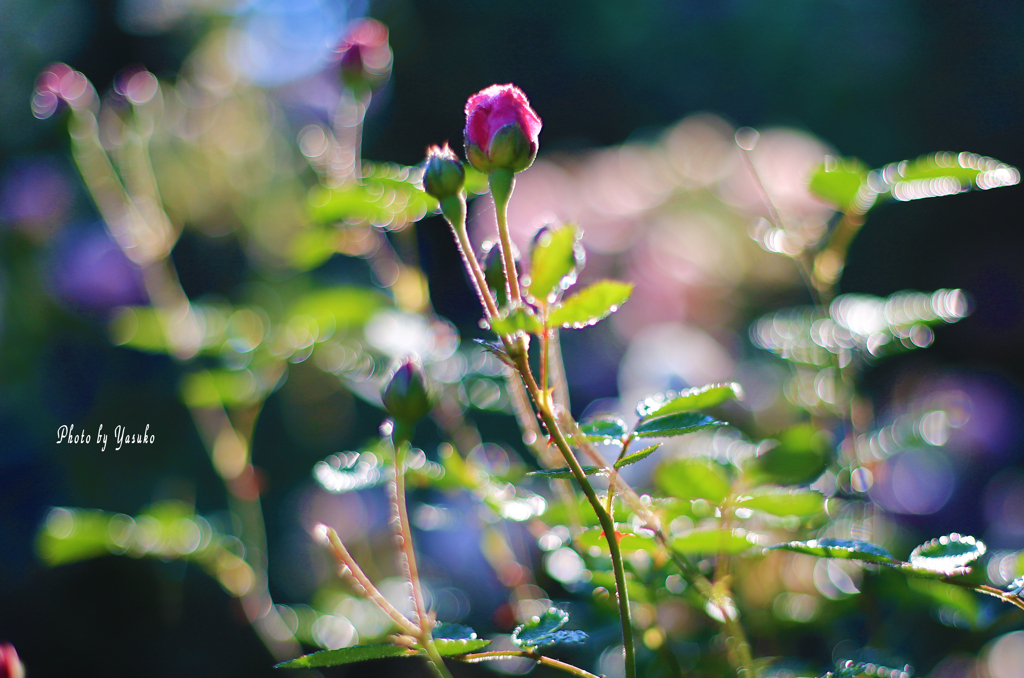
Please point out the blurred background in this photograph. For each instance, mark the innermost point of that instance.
(640, 107)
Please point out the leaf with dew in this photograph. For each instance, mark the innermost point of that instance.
(591, 305)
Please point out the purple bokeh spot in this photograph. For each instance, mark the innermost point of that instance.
(90, 273)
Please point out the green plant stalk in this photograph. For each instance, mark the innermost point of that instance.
(454, 210)
(607, 524)
(528, 654)
(502, 183)
(402, 434)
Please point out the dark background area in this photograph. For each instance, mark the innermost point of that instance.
(880, 80)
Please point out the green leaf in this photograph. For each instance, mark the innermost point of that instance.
(545, 630)
(780, 502)
(941, 174)
(516, 320)
(693, 479)
(676, 424)
(851, 669)
(848, 549)
(838, 181)
(637, 456)
(947, 596)
(800, 457)
(389, 195)
(210, 388)
(591, 305)
(556, 255)
(447, 647)
(142, 328)
(689, 400)
(340, 307)
(346, 655)
(602, 428)
(450, 631)
(564, 472)
(947, 555)
(713, 541)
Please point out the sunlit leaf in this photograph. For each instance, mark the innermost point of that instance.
(346, 655)
(554, 257)
(212, 388)
(693, 479)
(851, 669)
(941, 174)
(947, 555)
(848, 549)
(780, 502)
(143, 329)
(676, 424)
(800, 457)
(591, 305)
(689, 400)
(448, 647)
(389, 195)
(637, 456)
(602, 428)
(546, 630)
(564, 472)
(838, 181)
(340, 307)
(516, 320)
(713, 541)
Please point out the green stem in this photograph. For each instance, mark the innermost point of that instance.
(454, 210)
(539, 658)
(434, 660)
(607, 524)
(502, 183)
(404, 533)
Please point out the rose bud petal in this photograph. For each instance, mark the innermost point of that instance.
(501, 129)
(406, 396)
(365, 55)
(443, 176)
(10, 665)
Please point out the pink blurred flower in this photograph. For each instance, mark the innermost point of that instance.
(57, 83)
(501, 129)
(10, 665)
(365, 55)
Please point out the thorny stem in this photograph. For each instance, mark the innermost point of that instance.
(1005, 596)
(344, 559)
(454, 210)
(502, 182)
(527, 654)
(607, 524)
(404, 535)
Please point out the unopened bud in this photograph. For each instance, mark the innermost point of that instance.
(365, 55)
(10, 665)
(501, 130)
(443, 176)
(406, 396)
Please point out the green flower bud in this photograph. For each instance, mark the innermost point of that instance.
(443, 176)
(406, 396)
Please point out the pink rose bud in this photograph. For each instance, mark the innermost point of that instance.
(406, 396)
(443, 176)
(365, 55)
(60, 83)
(501, 129)
(10, 665)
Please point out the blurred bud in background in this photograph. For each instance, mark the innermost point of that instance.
(365, 55)
(406, 396)
(10, 665)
